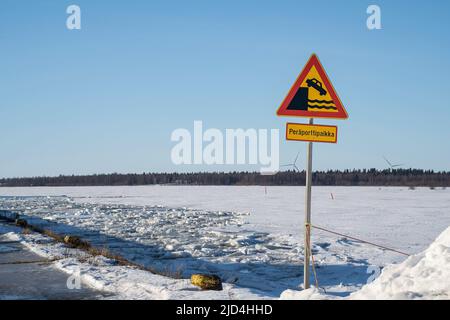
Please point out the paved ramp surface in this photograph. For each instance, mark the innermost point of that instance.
(27, 276)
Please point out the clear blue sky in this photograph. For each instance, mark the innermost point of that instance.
(106, 98)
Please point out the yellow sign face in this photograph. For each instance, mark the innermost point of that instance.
(311, 132)
(319, 98)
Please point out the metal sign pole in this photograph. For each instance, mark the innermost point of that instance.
(308, 213)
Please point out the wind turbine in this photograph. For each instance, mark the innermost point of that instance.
(294, 164)
(392, 166)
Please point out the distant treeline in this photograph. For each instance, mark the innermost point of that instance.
(366, 177)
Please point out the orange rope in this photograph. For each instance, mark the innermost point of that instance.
(353, 238)
(308, 230)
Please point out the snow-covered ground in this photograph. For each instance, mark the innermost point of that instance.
(251, 238)
(104, 275)
(425, 275)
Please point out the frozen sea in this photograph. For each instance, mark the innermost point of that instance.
(252, 236)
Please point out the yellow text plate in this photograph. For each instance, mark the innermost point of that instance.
(311, 132)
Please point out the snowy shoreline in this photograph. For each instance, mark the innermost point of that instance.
(255, 244)
(422, 276)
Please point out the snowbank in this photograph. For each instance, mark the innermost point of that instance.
(309, 294)
(121, 282)
(422, 276)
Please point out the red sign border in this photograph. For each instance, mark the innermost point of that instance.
(313, 61)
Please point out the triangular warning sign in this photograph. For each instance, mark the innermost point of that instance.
(312, 95)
